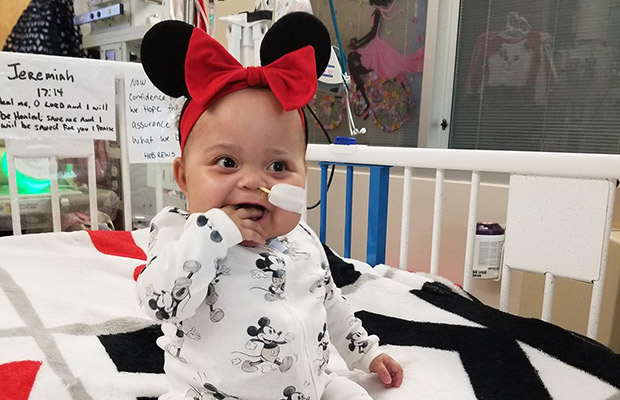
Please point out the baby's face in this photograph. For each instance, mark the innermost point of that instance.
(242, 142)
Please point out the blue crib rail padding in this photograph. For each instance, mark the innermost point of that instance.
(377, 209)
(377, 214)
(348, 212)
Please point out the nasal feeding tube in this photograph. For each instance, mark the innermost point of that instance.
(288, 197)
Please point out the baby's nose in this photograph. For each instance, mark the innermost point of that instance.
(252, 179)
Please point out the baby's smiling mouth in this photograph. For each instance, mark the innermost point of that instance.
(257, 207)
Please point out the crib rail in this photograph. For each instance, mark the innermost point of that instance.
(578, 168)
(577, 165)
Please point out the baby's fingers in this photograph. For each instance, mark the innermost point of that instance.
(251, 213)
(389, 371)
(396, 373)
(384, 374)
(245, 218)
(251, 232)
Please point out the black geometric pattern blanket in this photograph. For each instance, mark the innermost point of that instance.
(71, 329)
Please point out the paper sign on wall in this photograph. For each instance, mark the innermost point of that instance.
(152, 134)
(55, 97)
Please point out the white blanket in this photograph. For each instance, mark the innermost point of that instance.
(71, 329)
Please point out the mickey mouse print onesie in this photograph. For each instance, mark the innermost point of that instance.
(245, 322)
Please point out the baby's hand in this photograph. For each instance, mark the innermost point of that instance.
(252, 232)
(389, 370)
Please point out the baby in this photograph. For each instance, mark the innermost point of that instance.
(243, 287)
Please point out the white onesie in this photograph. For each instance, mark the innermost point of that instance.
(245, 322)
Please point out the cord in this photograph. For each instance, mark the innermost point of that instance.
(329, 183)
(352, 128)
(343, 59)
(201, 11)
(346, 78)
(329, 140)
(318, 121)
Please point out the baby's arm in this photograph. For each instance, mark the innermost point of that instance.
(358, 349)
(354, 344)
(182, 253)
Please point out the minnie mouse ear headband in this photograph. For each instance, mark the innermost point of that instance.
(182, 60)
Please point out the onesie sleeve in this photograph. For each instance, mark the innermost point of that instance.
(182, 251)
(346, 332)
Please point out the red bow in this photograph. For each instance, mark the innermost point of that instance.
(211, 72)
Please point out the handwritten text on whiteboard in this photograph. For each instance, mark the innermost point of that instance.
(151, 116)
(48, 97)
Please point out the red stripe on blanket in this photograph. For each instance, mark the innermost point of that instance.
(116, 243)
(137, 271)
(17, 379)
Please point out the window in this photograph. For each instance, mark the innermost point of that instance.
(539, 75)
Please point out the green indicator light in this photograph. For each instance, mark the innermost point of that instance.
(26, 184)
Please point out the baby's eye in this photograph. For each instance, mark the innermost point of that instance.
(226, 162)
(277, 166)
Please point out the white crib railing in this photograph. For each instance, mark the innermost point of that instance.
(580, 169)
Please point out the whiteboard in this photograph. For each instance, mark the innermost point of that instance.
(151, 120)
(55, 97)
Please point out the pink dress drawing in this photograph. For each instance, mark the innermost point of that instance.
(377, 66)
(380, 56)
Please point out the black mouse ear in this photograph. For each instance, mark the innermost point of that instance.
(163, 52)
(294, 31)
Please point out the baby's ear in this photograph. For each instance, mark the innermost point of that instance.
(178, 169)
(294, 31)
(163, 52)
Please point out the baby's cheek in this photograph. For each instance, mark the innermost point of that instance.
(283, 222)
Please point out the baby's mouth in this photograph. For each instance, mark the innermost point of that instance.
(257, 207)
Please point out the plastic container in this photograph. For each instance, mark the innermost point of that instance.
(488, 250)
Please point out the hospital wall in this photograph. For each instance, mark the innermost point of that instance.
(10, 11)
